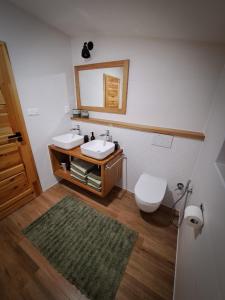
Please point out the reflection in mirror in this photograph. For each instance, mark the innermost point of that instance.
(102, 87)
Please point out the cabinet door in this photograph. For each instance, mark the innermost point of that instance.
(112, 175)
(18, 177)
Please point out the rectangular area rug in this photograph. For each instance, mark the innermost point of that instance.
(88, 248)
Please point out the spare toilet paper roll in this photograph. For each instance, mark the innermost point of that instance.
(193, 216)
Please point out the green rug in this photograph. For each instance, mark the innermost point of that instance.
(89, 249)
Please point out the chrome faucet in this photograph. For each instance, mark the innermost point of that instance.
(108, 137)
(76, 130)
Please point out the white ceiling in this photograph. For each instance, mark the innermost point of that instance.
(201, 20)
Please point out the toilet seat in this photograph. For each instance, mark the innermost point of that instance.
(149, 192)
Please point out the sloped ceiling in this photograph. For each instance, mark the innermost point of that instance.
(199, 20)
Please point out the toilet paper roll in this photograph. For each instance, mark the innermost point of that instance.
(193, 216)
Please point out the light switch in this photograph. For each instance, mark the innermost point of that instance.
(33, 111)
(66, 109)
(162, 140)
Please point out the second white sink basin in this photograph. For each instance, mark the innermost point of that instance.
(97, 149)
(68, 140)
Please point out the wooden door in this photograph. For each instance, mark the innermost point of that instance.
(19, 182)
(112, 91)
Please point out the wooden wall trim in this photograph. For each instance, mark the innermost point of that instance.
(168, 131)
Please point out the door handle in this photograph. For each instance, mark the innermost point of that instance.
(17, 136)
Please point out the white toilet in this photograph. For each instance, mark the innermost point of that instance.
(149, 192)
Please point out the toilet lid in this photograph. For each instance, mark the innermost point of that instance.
(150, 189)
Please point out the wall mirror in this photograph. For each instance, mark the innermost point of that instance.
(102, 86)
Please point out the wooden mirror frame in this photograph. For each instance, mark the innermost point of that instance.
(118, 63)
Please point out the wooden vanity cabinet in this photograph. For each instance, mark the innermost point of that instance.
(111, 167)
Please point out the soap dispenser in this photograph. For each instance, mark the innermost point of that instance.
(92, 136)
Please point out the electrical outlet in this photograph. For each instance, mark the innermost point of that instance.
(33, 111)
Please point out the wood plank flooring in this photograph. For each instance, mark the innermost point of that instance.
(25, 274)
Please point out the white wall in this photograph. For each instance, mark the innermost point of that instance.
(41, 61)
(200, 272)
(171, 84)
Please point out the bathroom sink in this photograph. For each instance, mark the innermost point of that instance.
(68, 140)
(97, 149)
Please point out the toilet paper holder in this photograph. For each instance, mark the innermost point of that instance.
(194, 216)
(202, 209)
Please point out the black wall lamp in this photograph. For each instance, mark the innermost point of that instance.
(85, 53)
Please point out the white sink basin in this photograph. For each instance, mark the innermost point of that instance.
(68, 140)
(97, 149)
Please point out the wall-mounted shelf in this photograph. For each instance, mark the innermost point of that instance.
(160, 130)
(111, 168)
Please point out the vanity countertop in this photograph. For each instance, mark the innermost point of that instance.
(76, 152)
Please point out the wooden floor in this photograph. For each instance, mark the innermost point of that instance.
(25, 274)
